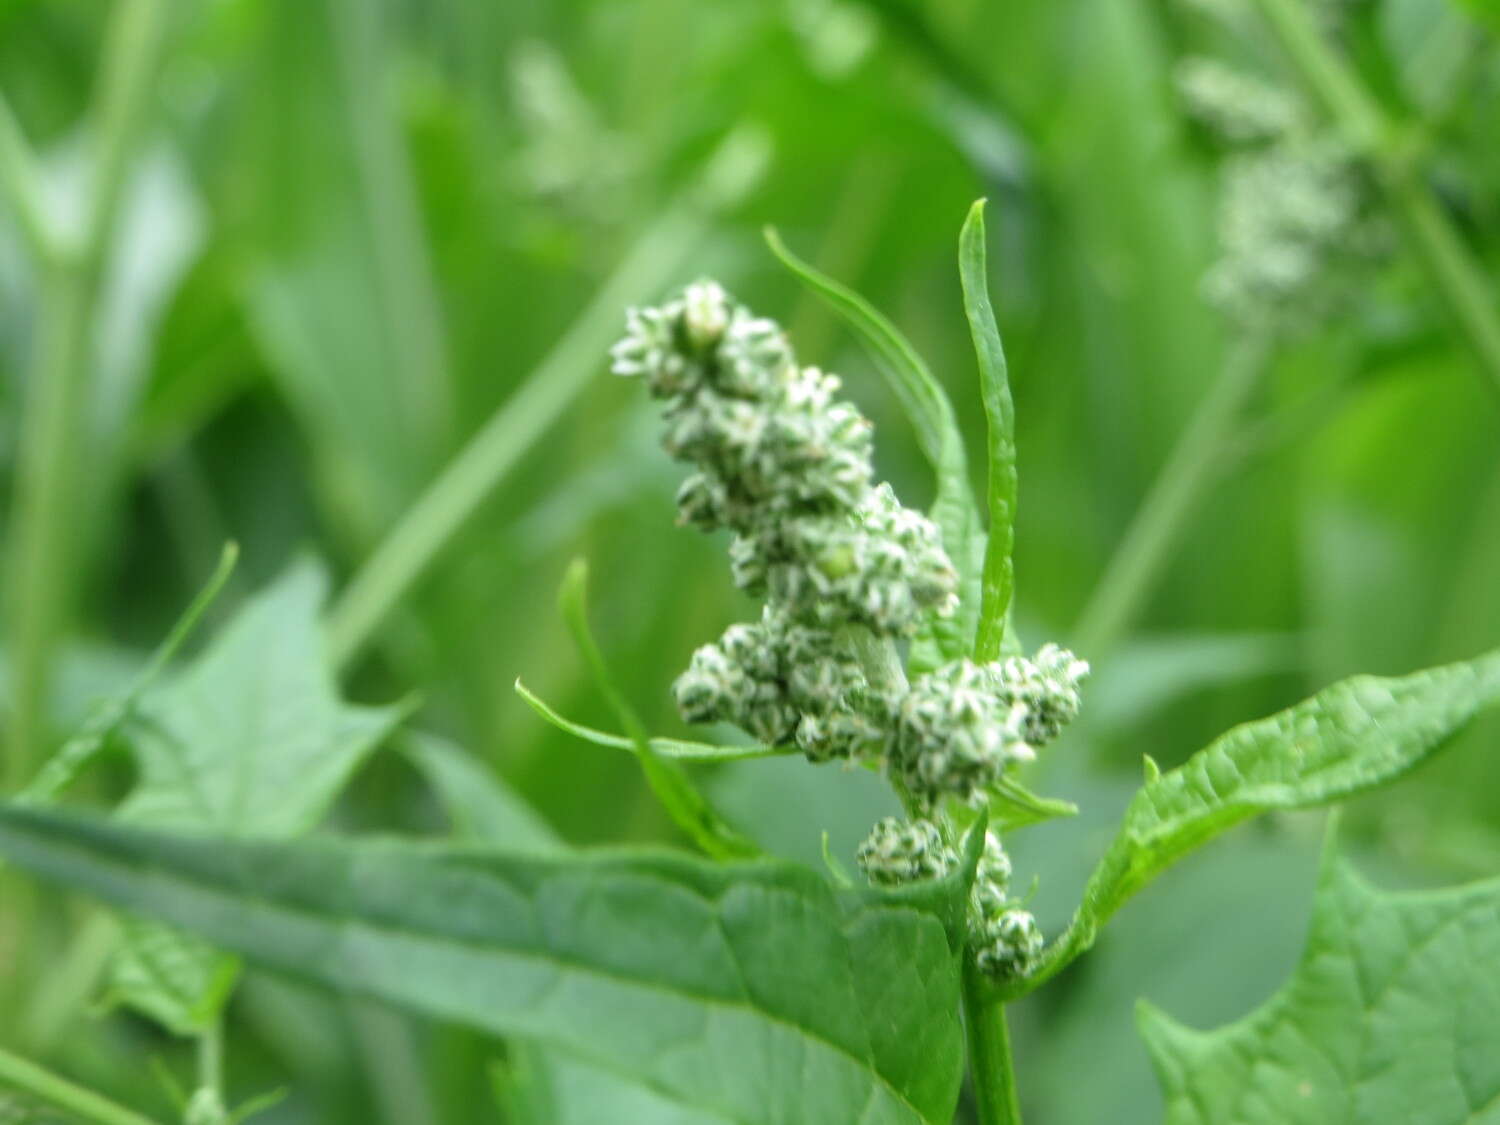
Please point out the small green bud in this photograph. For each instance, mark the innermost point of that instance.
(904, 851)
(1007, 944)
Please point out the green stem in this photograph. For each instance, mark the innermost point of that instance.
(1177, 490)
(51, 453)
(441, 511)
(211, 1058)
(990, 1064)
(22, 1074)
(1456, 275)
(20, 186)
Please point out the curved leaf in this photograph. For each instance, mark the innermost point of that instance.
(1390, 1019)
(754, 991)
(1357, 734)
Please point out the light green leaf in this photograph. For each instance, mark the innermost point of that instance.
(1014, 806)
(752, 992)
(108, 716)
(688, 808)
(1390, 1019)
(997, 580)
(681, 749)
(931, 414)
(251, 739)
(1353, 736)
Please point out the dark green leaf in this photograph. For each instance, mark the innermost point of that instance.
(754, 992)
(1390, 1019)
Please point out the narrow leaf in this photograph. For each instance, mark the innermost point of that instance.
(1389, 1019)
(686, 806)
(997, 580)
(680, 749)
(753, 990)
(931, 414)
(481, 807)
(1353, 736)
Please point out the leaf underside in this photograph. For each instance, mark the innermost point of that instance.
(749, 993)
(1392, 1018)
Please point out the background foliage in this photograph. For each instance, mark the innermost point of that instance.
(356, 230)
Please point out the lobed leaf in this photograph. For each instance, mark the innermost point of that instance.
(251, 739)
(1389, 1019)
(1353, 736)
(750, 992)
(931, 414)
(997, 578)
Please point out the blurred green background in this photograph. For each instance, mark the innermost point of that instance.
(350, 231)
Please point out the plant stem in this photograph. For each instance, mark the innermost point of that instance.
(211, 1058)
(20, 186)
(1456, 275)
(1174, 494)
(22, 1074)
(990, 1064)
(50, 452)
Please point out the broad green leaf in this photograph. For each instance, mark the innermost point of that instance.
(997, 580)
(1353, 736)
(251, 739)
(931, 414)
(681, 749)
(1391, 1018)
(754, 992)
(688, 808)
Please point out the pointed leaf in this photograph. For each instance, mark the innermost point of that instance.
(752, 990)
(997, 580)
(1390, 1019)
(250, 740)
(1353, 736)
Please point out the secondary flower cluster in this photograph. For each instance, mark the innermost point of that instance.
(1293, 201)
(845, 571)
(1003, 936)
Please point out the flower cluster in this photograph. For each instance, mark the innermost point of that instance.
(1293, 203)
(785, 465)
(959, 728)
(904, 851)
(845, 571)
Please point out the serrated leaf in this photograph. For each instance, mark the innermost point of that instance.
(931, 414)
(1390, 1019)
(997, 578)
(251, 739)
(1353, 736)
(754, 991)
